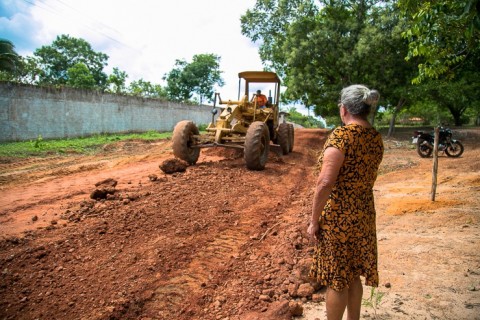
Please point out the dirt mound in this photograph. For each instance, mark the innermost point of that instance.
(227, 153)
(104, 189)
(173, 165)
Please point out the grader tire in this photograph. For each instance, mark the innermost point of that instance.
(284, 137)
(257, 145)
(183, 140)
(291, 136)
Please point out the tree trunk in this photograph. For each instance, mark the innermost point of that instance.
(397, 109)
(457, 113)
(391, 127)
(458, 122)
(456, 116)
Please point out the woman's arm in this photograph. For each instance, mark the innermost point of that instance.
(332, 161)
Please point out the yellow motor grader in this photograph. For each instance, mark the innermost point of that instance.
(241, 124)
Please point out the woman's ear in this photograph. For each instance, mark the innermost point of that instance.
(343, 111)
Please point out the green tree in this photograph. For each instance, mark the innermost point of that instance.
(116, 81)
(320, 57)
(303, 120)
(268, 23)
(196, 78)
(29, 72)
(322, 49)
(381, 50)
(205, 72)
(8, 57)
(79, 76)
(178, 88)
(26, 71)
(146, 89)
(458, 95)
(64, 53)
(442, 33)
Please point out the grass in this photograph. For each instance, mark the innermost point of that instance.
(374, 300)
(87, 145)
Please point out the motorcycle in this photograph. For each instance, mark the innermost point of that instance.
(424, 141)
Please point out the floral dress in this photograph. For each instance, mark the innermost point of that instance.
(347, 245)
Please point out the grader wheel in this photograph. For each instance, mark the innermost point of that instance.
(183, 140)
(257, 144)
(291, 136)
(284, 137)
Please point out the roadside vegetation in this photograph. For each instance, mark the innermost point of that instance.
(86, 145)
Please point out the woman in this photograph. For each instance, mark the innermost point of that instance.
(343, 213)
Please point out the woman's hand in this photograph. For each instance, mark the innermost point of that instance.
(314, 230)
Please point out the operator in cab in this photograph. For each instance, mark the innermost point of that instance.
(261, 99)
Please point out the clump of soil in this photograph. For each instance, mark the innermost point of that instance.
(104, 188)
(173, 165)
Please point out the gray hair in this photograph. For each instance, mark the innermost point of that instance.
(358, 99)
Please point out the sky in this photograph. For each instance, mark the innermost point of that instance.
(144, 38)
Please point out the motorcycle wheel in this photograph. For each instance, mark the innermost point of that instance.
(424, 150)
(454, 149)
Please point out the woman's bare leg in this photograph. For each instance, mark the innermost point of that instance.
(354, 302)
(336, 302)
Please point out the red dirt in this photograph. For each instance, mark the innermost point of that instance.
(221, 242)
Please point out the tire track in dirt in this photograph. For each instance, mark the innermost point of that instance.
(279, 181)
(227, 244)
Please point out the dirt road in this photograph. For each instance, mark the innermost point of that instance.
(221, 242)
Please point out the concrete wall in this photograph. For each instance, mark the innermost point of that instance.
(29, 111)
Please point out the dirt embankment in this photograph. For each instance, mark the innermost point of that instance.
(221, 242)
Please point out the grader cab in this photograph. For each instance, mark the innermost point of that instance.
(242, 124)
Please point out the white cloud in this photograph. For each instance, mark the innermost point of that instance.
(17, 25)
